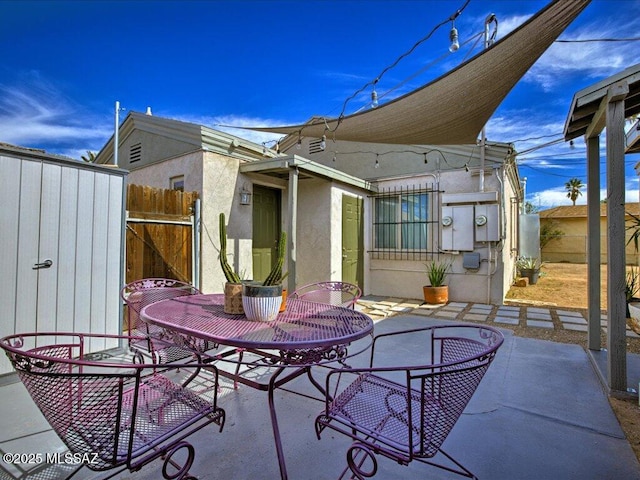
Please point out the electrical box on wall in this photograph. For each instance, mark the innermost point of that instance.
(487, 223)
(457, 231)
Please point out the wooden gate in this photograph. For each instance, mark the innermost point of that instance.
(159, 238)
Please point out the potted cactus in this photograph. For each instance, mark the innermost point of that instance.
(233, 287)
(262, 301)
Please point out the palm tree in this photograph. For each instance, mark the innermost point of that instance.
(573, 187)
(90, 157)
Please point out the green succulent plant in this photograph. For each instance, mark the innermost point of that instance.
(231, 275)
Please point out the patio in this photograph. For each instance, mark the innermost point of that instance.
(540, 412)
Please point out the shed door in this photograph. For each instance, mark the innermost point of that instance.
(266, 230)
(70, 221)
(352, 243)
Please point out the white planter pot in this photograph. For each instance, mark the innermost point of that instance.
(634, 310)
(261, 303)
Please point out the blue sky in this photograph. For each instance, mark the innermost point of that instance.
(64, 64)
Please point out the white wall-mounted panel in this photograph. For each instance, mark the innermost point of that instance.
(487, 223)
(457, 235)
(471, 197)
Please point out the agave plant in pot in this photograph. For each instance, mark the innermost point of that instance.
(262, 301)
(437, 292)
(529, 267)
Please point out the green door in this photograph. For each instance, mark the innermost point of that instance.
(352, 240)
(266, 229)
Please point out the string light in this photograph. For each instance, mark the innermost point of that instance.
(374, 95)
(323, 142)
(377, 163)
(453, 37)
(299, 143)
(453, 16)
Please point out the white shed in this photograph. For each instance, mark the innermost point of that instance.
(62, 224)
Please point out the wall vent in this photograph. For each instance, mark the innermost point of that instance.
(135, 153)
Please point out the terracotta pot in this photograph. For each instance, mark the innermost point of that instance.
(233, 298)
(261, 302)
(436, 295)
(283, 307)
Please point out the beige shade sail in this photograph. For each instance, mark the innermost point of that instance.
(453, 108)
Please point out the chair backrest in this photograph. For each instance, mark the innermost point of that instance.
(140, 293)
(341, 294)
(110, 410)
(461, 356)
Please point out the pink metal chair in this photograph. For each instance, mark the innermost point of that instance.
(341, 294)
(406, 413)
(140, 293)
(112, 411)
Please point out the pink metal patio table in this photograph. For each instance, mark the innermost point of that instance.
(304, 335)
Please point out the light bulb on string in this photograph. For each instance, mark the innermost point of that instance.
(323, 142)
(374, 98)
(377, 163)
(453, 37)
(299, 144)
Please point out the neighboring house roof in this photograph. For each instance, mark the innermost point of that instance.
(580, 211)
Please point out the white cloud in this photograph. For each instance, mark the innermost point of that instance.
(36, 113)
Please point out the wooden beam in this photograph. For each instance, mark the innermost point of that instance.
(598, 121)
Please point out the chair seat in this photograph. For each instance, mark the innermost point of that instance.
(378, 408)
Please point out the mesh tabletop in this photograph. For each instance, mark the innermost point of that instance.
(303, 325)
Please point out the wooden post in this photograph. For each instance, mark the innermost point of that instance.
(616, 299)
(292, 227)
(593, 241)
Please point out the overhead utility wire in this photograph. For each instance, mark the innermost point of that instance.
(586, 40)
(451, 18)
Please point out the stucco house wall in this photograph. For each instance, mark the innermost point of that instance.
(450, 170)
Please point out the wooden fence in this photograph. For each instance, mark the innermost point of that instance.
(159, 238)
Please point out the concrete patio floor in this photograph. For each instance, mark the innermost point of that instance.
(540, 413)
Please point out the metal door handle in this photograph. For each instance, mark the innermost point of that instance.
(46, 264)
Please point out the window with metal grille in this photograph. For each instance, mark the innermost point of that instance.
(404, 224)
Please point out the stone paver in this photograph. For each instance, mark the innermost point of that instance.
(445, 314)
(573, 326)
(569, 319)
(379, 308)
(507, 320)
(475, 316)
(540, 324)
